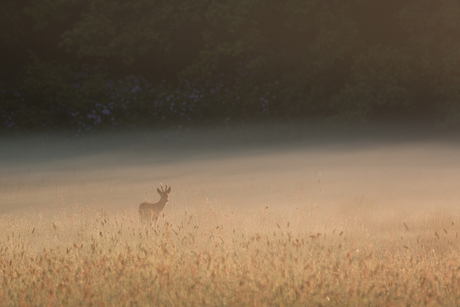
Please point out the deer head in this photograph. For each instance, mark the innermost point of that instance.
(164, 192)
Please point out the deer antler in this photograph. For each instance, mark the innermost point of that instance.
(165, 188)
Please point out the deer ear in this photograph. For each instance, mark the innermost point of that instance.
(169, 190)
(159, 192)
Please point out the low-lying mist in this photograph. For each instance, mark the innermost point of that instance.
(388, 174)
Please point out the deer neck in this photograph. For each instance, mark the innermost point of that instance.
(162, 202)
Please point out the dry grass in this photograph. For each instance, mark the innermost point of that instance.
(310, 225)
(85, 257)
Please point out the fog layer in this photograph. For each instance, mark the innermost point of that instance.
(384, 172)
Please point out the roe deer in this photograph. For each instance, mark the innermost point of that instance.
(149, 212)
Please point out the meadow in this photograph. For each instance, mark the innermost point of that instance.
(305, 224)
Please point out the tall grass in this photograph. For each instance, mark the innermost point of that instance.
(93, 257)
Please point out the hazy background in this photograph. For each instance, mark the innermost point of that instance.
(384, 174)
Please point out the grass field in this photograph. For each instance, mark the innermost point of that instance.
(363, 225)
(91, 257)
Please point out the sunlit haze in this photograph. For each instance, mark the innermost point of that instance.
(391, 176)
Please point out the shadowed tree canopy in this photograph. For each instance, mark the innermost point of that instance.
(176, 36)
(346, 60)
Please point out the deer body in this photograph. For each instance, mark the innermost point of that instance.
(149, 212)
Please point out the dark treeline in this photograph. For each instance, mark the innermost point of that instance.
(107, 64)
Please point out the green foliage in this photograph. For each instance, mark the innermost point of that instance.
(48, 89)
(433, 30)
(12, 28)
(355, 60)
(380, 79)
